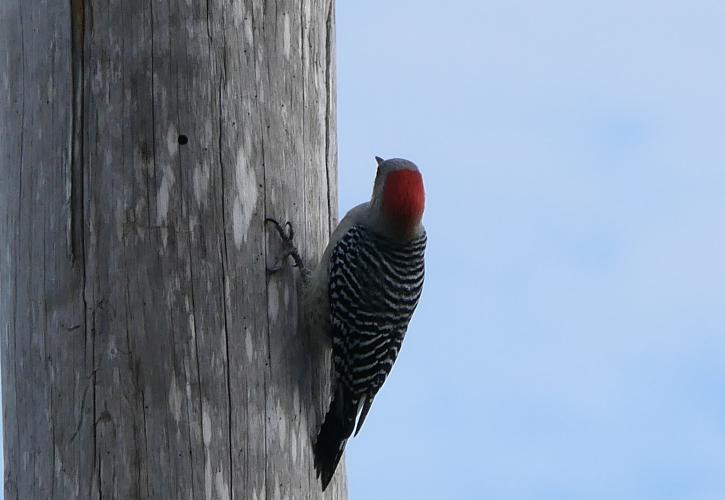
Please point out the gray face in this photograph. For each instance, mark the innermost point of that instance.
(393, 164)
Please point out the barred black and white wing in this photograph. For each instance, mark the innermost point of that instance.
(374, 287)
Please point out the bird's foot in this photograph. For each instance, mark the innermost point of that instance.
(287, 234)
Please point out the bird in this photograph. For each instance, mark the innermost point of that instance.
(361, 297)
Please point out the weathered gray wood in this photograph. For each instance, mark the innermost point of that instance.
(145, 353)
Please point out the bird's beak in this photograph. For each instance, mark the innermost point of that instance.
(379, 160)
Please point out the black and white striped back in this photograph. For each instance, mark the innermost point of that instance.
(374, 287)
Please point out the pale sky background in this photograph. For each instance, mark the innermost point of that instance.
(570, 343)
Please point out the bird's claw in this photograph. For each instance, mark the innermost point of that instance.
(287, 234)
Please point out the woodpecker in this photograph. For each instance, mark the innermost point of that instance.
(361, 297)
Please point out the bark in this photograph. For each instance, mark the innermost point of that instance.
(145, 352)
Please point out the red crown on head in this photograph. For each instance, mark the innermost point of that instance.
(404, 198)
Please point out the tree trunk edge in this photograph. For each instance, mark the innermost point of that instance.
(146, 143)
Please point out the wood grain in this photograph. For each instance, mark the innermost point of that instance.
(145, 352)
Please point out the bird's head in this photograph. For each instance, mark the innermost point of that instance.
(399, 195)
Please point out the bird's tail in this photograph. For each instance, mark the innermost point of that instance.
(336, 429)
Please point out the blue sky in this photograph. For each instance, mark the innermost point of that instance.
(570, 343)
(571, 337)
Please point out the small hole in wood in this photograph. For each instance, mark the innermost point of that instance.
(183, 139)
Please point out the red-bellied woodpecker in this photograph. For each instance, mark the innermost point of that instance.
(362, 296)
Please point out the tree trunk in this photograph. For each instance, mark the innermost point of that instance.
(145, 352)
